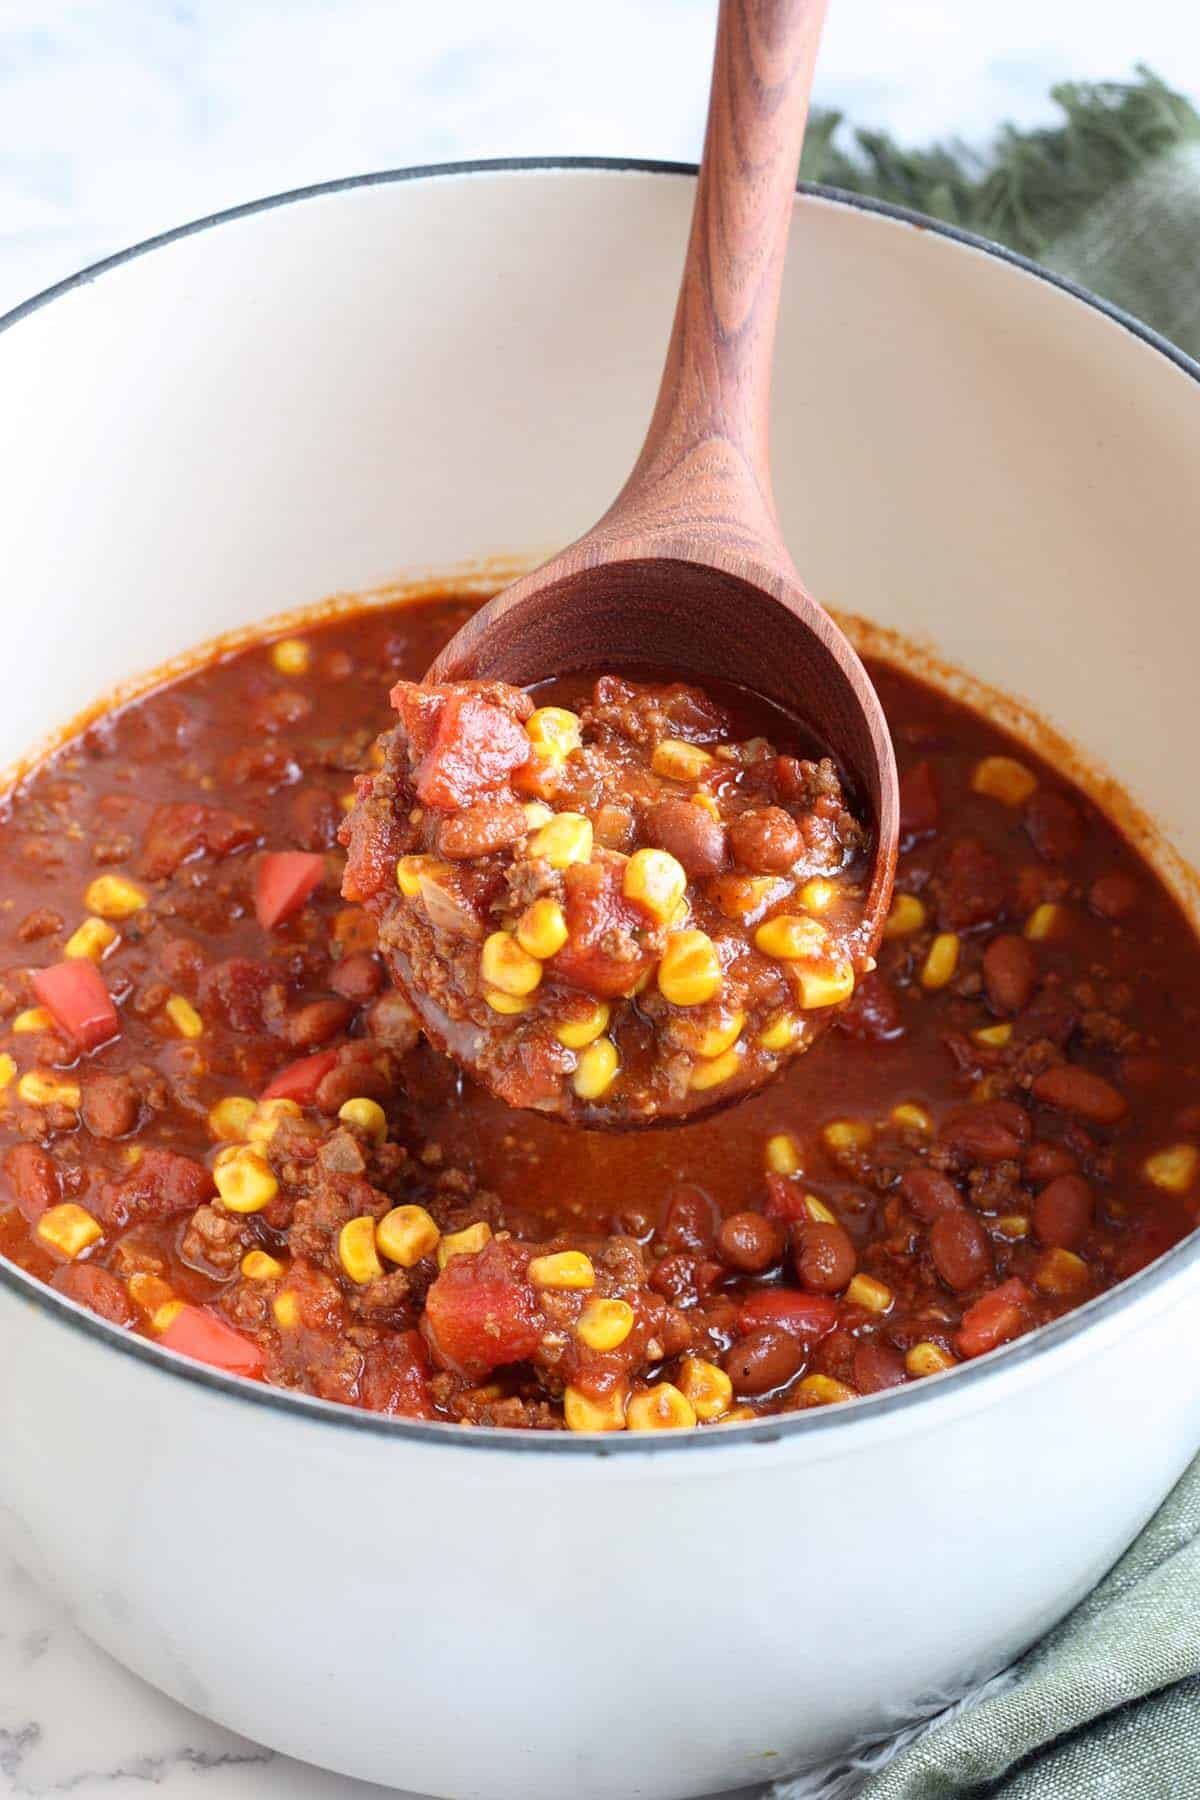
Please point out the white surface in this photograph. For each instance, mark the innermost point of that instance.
(290, 402)
(124, 117)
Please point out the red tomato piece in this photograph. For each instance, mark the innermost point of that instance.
(806, 1315)
(784, 1199)
(994, 1318)
(604, 953)
(75, 993)
(198, 1333)
(476, 746)
(481, 1312)
(300, 1080)
(283, 881)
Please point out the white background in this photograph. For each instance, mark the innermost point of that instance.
(119, 118)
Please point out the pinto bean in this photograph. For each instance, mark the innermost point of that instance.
(98, 1290)
(1113, 895)
(763, 1360)
(350, 1080)
(33, 1177)
(991, 1132)
(481, 828)
(1054, 825)
(357, 977)
(1079, 1092)
(1010, 973)
(929, 1192)
(872, 1013)
(691, 834)
(1062, 1213)
(317, 1022)
(960, 1249)
(825, 1257)
(766, 840)
(110, 1106)
(971, 887)
(690, 1220)
(315, 818)
(750, 1242)
(875, 1367)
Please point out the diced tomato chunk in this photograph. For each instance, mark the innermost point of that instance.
(283, 881)
(197, 1333)
(476, 746)
(300, 1080)
(605, 953)
(395, 1377)
(481, 1313)
(994, 1318)
(807, 1315)
(918, 804)
(75, 993)
(785, 1200)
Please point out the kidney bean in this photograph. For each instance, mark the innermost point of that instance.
(918, 804)
(392, 1020)
(872, 1013)
(993, 1319)
(690, 833)
(991, 1132)
(1079, 1092)
(351, 1080)
(971, 887)
(805, 1315)
(784, 1199)
(750, 1242)
(960, 1249)
(481, 828)
(315, 817)
(766, 840)
(1113, 895)
(929, 1192)
(357, 977)
(690, 1219)
(110, 1106)
(1010, 973)
(1054, 825)
(1143, 1070)
(1062, 1213)
(763, 1360)
(97, 1289)
(875, 1367)
(314, 1024)
(34, 1180)
(1042, 1162)
(825, 1257)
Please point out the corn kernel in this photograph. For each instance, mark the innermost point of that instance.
(563, 840)
(41, 1087)
(716, 1039)
(703, 799)
(941, 962)
(928, 1359)
(467, 1242)
(596, 1069)
(67, 1228)
(1013, 1226)
(1172, 1170)
(268, 1116)
(565, 1269)
(780, 1031)
(356, 1250)
(690, 970)
(582, 1413)
(34, 1018)
(367, 1115)
(291, 656)
(286, 1307)
(908, 1116)
(841, 1135)
(113, 897)
(90, 940)
(660, 1408)
(817, 895)
(715, 1072)
(679, 761)
(537, 814)
(706, 1387)
(554, 732)
(743, 896)
(789, 938)
(1045, 921)
(1060, 1272)
(406, 1235)
(8, 1070)
(149, 1291)
(823, 1390)
(907, 915)
(655, 880)
(348, 801)
(1004, 778)
(166, 1314)
(864, 1290)
(510, 1005)
(408, 875)
(782, 1155)
(818, 1212)
(823, 987)
(542, 928)
(579, 1031)
(993, 1037)
(244, 1180)
(604, 1324)
(258, 1266)
(184, 1017)
(737, 1415)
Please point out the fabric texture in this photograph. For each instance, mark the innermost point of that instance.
(1107, 1706)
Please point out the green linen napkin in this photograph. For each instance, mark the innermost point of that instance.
(1107, 1707)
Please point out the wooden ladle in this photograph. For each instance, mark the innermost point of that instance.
(687, 571)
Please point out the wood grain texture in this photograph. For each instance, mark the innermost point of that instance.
(687, 569)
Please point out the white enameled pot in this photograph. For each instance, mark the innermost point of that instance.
(407, 373)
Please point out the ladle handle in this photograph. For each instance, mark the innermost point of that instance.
(704, 465)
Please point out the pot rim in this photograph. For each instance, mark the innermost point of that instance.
(927, 1394)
